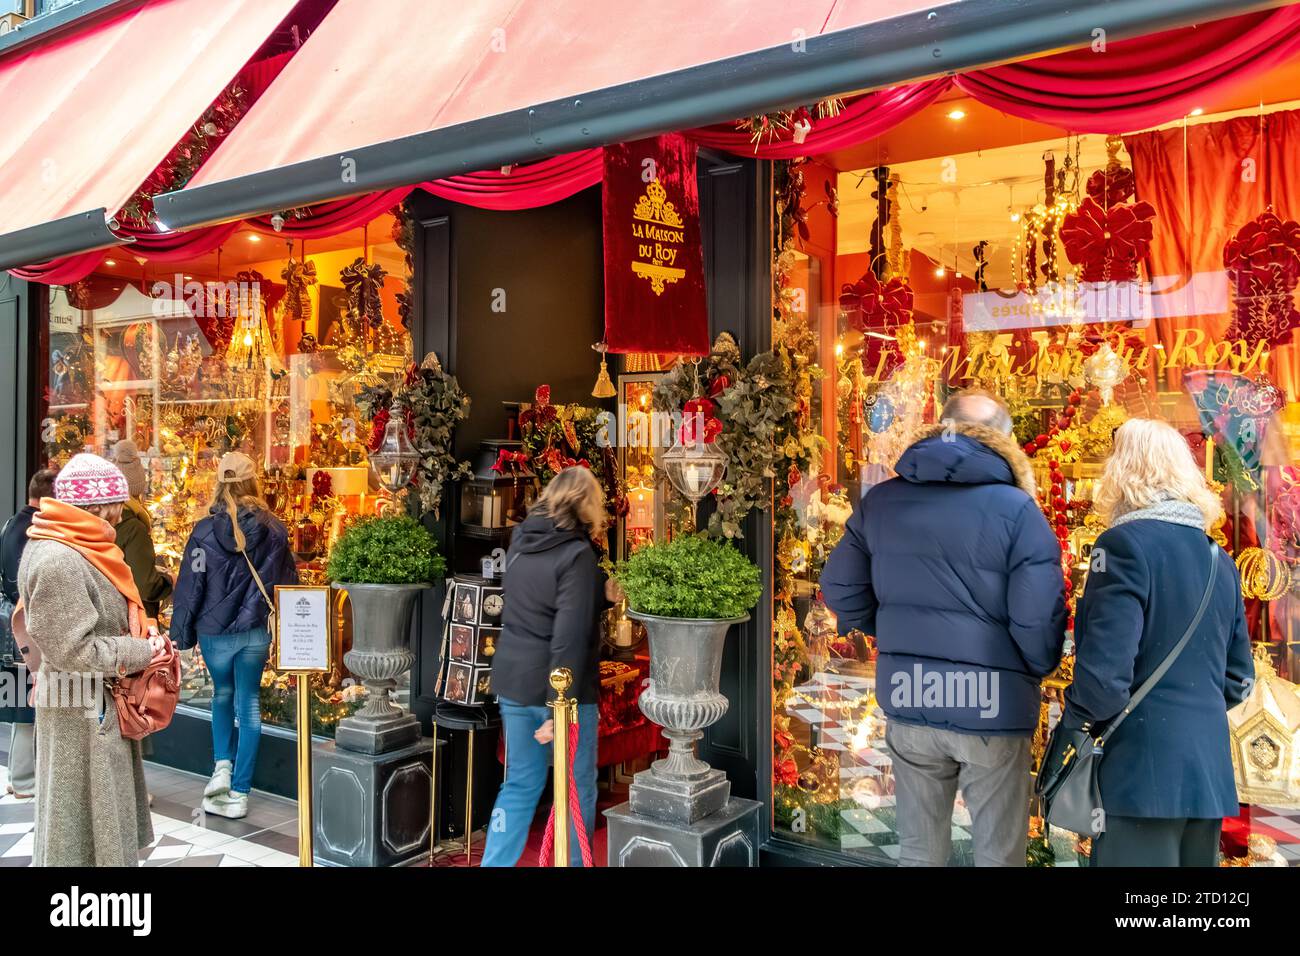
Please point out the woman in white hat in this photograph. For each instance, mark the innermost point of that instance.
(85, 619)
(232, 562)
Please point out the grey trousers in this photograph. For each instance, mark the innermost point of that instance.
(22, 758)
(993, 775)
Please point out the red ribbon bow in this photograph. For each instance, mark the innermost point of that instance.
(1107, 243)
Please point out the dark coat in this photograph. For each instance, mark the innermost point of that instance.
(215, 591)
(135, 539)
(1171, 756)
(12, 543)
(954, 569)
(554, 592)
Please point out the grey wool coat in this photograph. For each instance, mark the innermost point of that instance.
(91, 805)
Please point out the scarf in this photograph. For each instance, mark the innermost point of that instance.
(95, 540)
(1170, 510)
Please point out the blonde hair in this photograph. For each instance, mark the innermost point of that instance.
(1151, 462)
(112, 513)
(231, 495)
(574, 498)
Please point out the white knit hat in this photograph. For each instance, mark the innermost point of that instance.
(90, 480)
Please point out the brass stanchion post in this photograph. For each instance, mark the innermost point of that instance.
(433, 793)
(469, 799)
(304, 770)
(561, 680)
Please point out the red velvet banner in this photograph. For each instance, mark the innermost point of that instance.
(654, 264)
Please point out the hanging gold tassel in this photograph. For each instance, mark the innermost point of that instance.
(604, 385)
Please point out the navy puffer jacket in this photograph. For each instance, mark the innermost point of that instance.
(215, 592)
(955, 570)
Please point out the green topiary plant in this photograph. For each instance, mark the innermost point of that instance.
(392, 549)
(691, 576)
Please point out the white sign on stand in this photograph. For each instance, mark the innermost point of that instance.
(302, 628)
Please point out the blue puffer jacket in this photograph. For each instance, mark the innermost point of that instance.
(215, 592)
(954, 569)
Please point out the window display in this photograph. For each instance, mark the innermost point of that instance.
(215, 355)
(1085, 280)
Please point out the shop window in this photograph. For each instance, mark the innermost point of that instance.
(255, 348)
(1085, 280)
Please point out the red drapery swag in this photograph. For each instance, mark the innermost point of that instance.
(1111, 87)
(654, 263)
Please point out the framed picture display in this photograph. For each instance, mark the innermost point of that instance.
(486, 646)
(493, 603)
(302, 628)
(461, 646)
(460, 683)
(464, 609)
(481, 692)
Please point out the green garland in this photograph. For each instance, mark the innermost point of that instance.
(755, 401)
(435, 404)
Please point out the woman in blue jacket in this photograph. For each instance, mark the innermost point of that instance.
(1166, 780)
(218, 604)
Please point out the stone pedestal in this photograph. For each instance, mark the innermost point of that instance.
(728, 837)
(679, 801)
(371, 809)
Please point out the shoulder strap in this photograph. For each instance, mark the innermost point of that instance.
(258, 578)
(1172, 656)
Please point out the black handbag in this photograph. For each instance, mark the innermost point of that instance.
(9, 653)
(1068, 781)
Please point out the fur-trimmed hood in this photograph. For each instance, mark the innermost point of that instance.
(965, 453)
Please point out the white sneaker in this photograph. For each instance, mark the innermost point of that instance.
(220, 781)
(231, 805)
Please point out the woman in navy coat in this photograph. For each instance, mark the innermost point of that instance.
(1166, 780)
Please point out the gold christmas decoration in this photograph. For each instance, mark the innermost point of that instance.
(604, 387)
(1262, 730)
(1264, 576)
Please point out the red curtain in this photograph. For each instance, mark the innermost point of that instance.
(524, 187)
(1206, 181)
(62, 271)
(863, 117)
(1142, 82)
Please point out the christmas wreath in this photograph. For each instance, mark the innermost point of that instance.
(434, 405)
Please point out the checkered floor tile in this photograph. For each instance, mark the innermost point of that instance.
(183, 834)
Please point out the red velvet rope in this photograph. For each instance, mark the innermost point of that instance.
(546, 857)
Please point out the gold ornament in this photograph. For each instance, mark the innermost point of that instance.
(1264, 576)
(604, 387)
(1262, 730)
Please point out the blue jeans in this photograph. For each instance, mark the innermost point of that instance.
(528, 771)
(236, 662)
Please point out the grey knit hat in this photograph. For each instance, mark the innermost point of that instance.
(127, 457)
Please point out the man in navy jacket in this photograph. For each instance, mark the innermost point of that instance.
(955, 570)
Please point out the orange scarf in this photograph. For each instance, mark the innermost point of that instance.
(95, 540)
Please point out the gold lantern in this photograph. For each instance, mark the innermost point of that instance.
(1262, 729)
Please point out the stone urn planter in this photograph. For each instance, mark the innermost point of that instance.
(682, 697)
(381, 652)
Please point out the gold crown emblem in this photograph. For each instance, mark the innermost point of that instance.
(654, 207)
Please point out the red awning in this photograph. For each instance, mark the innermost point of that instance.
(360, 81)
(88, 115)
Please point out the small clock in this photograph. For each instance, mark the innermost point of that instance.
(493, 605)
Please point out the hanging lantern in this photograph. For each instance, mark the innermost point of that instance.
(396, 458)
(694, 470)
